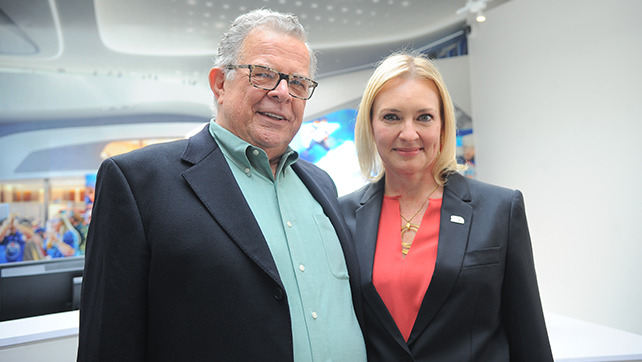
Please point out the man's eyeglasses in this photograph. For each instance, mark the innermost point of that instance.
(268, 79)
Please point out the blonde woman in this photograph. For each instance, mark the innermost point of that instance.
(447, 270)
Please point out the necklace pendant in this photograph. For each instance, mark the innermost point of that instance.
(409, 227)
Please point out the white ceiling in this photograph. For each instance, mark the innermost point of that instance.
(73, 59)
(191, 27)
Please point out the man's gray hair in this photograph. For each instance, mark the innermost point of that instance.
(229, 50)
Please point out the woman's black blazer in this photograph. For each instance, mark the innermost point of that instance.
(483, 301)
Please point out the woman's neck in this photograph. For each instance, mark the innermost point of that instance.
(410, 186)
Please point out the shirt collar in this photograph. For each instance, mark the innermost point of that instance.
(244, 155)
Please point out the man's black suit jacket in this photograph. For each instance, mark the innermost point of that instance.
(483, 301)
(177, 268)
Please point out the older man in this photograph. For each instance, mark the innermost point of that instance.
(225, 246)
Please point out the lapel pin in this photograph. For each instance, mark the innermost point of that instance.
(456, 219)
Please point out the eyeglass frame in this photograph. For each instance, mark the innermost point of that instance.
(282, 76)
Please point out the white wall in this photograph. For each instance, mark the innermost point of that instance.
(456, 74)
(555, 91)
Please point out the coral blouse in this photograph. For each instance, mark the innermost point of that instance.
(402, 282)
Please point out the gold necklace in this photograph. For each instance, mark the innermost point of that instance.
(405, 246)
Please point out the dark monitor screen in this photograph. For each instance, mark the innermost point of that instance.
(33, 288)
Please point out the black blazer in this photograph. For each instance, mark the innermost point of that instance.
(483, 302)
(177, 268)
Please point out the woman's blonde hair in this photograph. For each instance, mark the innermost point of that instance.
(411, 66)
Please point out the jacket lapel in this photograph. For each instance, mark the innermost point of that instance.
(327, 198)
(367, 227)
(213, 183)
(456, 217)
(322, 194)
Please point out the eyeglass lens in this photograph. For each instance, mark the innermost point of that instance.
(268, 79)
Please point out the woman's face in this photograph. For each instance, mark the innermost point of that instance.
(406, 122)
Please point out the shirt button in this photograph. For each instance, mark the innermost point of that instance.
(314, 315)
(247, 170)
(288, 223)
(301, 267)
(255, 152)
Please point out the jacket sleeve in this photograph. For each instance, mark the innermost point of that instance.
(114, 291)
(522, 313)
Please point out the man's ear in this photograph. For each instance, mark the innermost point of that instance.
(217, 82)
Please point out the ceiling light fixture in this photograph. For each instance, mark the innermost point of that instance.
(475, 8)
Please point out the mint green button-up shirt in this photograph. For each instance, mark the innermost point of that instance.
(306, 251)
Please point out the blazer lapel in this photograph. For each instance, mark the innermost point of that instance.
(214, 184)
(322, 194)
(327, 198)
(456, 214)
(367, 226)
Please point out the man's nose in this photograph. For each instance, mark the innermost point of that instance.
(282, 91)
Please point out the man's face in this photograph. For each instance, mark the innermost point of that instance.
(266, 119)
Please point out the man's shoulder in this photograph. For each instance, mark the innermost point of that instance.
(165, 155)
(308, 166)
(303, 166)
(157, 150)
(160, 155)
(312, 174)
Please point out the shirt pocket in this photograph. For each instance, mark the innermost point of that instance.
(332, 246)
(482, 257)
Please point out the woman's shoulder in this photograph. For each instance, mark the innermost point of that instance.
(359, 196)
(462, 185)
(354, 196)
